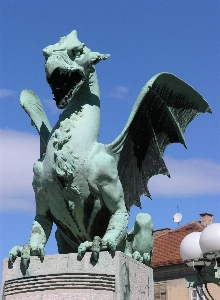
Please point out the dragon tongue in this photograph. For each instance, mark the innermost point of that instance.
(64, 101)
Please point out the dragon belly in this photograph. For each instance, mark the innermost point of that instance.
(66, 207)
(65, 192)
(78, 214)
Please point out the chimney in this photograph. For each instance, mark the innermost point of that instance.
(206, 218)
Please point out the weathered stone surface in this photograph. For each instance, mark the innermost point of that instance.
(63, 276)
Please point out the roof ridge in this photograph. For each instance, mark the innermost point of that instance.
(162, 234)
(187, 224)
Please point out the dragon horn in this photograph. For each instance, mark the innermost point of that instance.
(97, 57)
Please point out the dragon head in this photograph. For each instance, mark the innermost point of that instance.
(68, 64)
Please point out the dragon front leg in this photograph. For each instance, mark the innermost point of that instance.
(116, 231)
(113, 197)
(41, 229)
(40, 233)
(103, 178)
(114, 235)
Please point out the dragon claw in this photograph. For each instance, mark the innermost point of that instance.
(146, 259)
(25, 253)
(96, 247)
(81, 250)
(83, 247)
(25, 256)
(14, 253)
(112, 245)
(41, 251)
(136, 255)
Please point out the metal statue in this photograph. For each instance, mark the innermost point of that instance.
(87, 188)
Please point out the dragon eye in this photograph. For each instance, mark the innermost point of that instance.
(77, 52)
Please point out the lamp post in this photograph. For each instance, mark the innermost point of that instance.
(200, 250)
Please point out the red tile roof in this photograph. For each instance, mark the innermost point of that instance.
(167, 245)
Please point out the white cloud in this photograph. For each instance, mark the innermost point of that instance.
(51, 104)
(6, 93)
(190, 177)
(119, 92)
(18, 152)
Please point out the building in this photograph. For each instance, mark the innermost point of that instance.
(169, 269)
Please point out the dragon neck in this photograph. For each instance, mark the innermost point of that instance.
(84, 112)
(89, 90)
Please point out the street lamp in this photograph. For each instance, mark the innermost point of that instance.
(199, 250)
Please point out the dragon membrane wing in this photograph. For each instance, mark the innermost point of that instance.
(33, 107)
(160, 115)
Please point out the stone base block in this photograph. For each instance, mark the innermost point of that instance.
(64, 276)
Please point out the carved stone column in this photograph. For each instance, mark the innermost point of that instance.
(63, 276)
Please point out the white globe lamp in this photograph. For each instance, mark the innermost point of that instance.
(210, 241)
(190, 250)
(200, 250)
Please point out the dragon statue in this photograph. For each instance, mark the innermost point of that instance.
(87, 188)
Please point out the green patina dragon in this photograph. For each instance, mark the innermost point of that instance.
(87, 188)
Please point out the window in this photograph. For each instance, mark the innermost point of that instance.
(160, 292)
(194, 294)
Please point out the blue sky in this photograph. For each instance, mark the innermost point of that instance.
(144, 38)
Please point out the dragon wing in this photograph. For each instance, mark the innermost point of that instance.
(160, 115)
(33, 107)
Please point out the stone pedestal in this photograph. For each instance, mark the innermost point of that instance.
(63, 276)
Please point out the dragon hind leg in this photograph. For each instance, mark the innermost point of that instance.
(139, 241)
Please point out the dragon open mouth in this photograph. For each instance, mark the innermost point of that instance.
(63, 86)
